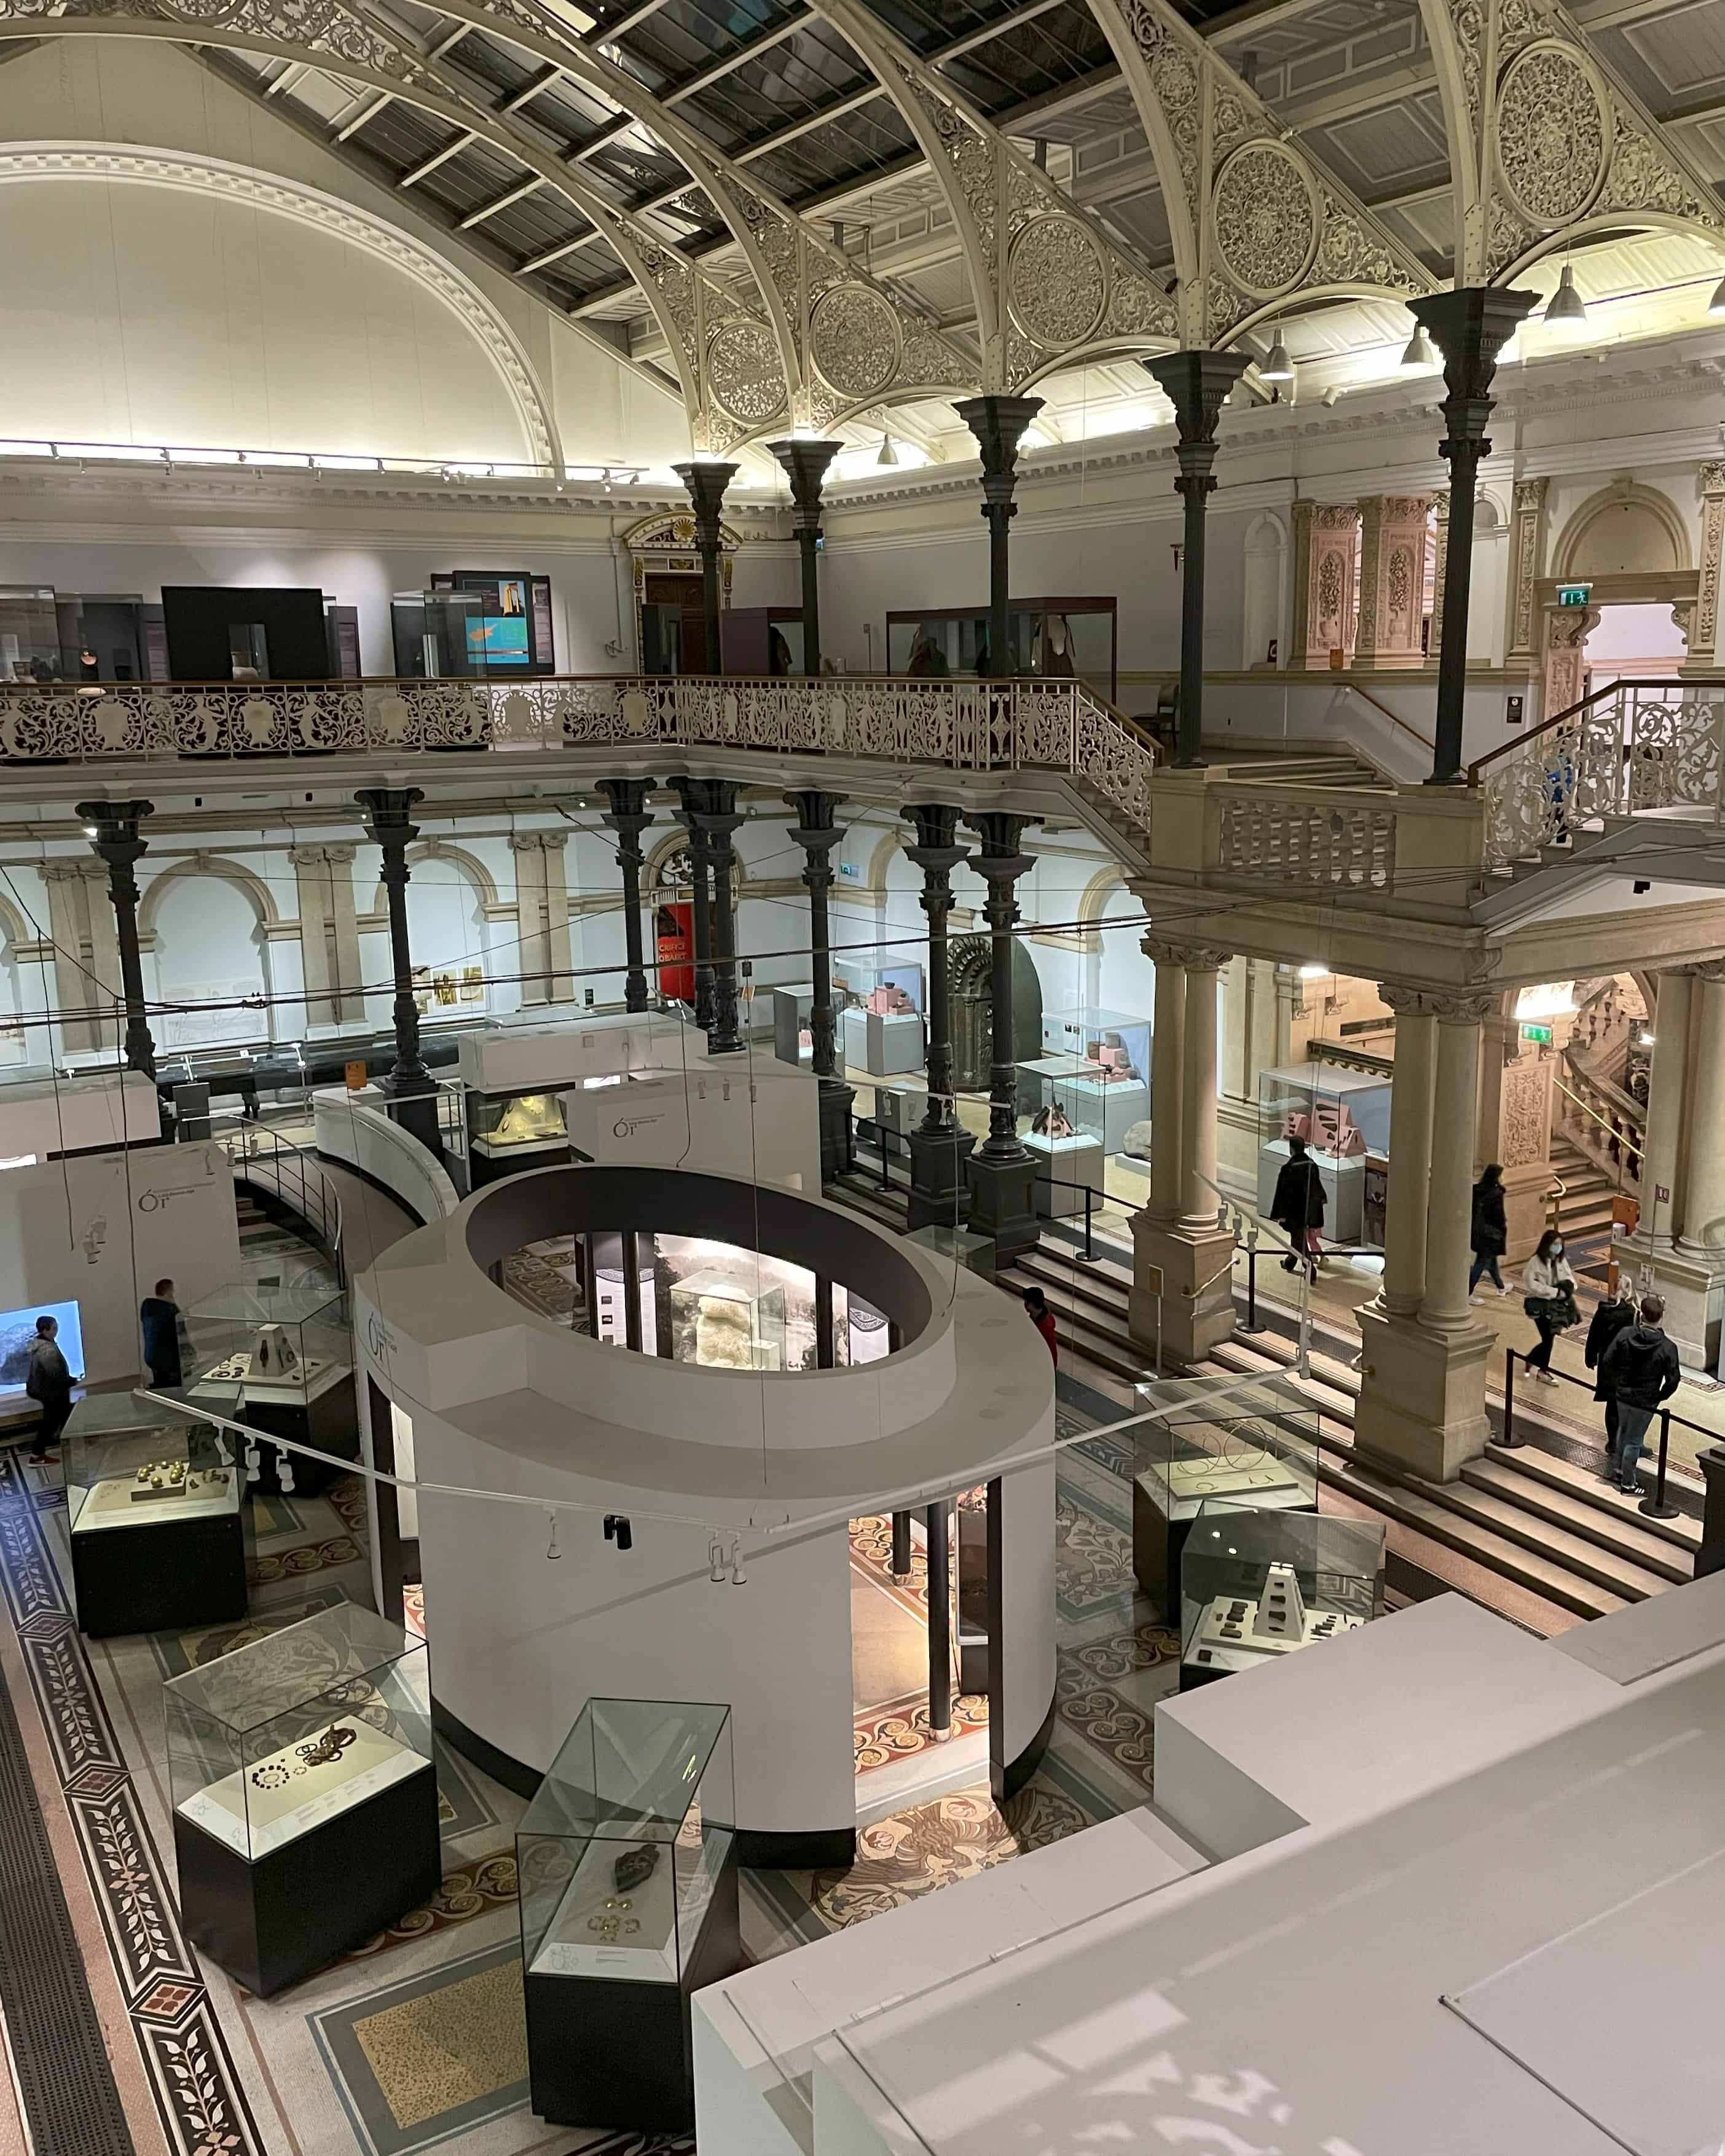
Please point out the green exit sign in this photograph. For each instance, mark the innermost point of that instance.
(1573, 595)
(1539, 1033)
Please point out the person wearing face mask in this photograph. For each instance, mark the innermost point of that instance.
(1549, 1300)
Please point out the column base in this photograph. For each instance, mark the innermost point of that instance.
(1002, 1204)
(1197, 1288)
(1422, 1395)
(1693, 1285)
(833, 1104)
(938, 1181)
(415, 1109)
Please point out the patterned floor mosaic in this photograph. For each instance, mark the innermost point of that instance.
(415, 2040)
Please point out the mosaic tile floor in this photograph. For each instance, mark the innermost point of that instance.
(415, 2041)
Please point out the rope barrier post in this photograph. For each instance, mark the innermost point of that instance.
(1089, 1201)
(1655, 1506)
(1509, 1440)
(1251, 1323)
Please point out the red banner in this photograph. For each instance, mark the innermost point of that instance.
(675, 927)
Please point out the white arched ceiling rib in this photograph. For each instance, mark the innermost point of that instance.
(1047, 280)
(1547, 140)
(842, 338)
(135, 162)
(1256, 221)
(688, 305)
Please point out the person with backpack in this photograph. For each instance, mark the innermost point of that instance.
(1641, 1372)
(1490, 1233)
(1297, 1208)
(49, 1382)
(1615, 1315)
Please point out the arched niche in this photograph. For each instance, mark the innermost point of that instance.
(211, 957)
(451, 896)
(1624, 530)
(14, 933)
(1264, 600)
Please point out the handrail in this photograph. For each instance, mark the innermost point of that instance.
(1366, 697)
(1623, 1137)
(1569, 711)
(317, 1201)
(1625, 1103)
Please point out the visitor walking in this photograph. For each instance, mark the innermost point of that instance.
(1550, 1299)
(1297, 1208)
(1043, 1318)
(49, 1382)
(159, 1321)
(1615, 1315)
(1490, 1233)
(1641, 1372)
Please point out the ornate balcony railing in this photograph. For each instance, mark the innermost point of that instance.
(1628, 748)
(960, 724)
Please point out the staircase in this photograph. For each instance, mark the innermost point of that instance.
(1585, 1210)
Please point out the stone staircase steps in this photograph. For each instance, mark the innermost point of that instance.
(1582, 1499)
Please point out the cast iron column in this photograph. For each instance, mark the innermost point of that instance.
(1470, 327)
(691, 796)
(1197, 382)
(387, 810)
(805, 465)
(706, 483)
(939, 1145)
(1002, 1173)
(817, 834)
(998, 423)
(629, 816)
(117, 842)
(938, 1526)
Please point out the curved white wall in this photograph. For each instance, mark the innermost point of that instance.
(132, 312)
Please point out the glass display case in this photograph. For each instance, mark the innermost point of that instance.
(507, 1131)
(1255, 1585)
(277, 1359)
(1054, 638)
(627, 1862)
(1247, 1440)
(1343, 1117)
(305, 1797)
(728, 1323)
(1092, 1079)
(158, 1515)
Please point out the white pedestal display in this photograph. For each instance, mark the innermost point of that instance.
(1062, 1163)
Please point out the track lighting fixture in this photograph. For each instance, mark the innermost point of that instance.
(739, 1577)
(619, 1531)
(285, 1473)
(715, 1561)
(551, 1546)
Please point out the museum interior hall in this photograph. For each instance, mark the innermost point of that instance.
(862, 913)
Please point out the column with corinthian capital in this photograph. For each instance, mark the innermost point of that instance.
(1182, 1288)
(1683, 1238)
(1423, 1356)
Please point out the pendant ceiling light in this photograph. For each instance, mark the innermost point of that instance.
(888, 454)
(1566, 307)
(1278, 366)
(1421, 351)
(1716, 305)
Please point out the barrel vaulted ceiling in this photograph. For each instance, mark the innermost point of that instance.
(808, 213)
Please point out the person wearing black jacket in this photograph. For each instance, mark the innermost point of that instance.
(1615, 1315)
(1640, 1372)
(1490, 1233)
(159, 1321)
(1297, 1208)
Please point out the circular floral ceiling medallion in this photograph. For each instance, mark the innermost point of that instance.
(1057, 281)
(1265, 218)
(1554, 134)
(853, 336)
(744, 374)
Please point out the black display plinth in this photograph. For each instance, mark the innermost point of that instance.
(606, 2051)
(161, 1576)
(1002, 1204)
(330, 1422)
(940, 1193)
(275, 1919)
(484, 1167)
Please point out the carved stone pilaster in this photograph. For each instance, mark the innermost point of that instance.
(1440, 562)
(1328, 620)
(1704, 635)
(1392, 579)
(1567, 631)
(1299, 642)
(1526, 567)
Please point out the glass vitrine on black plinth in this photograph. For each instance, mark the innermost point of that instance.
(159, 1517)
(305, 1799)
(509, 1132)
(627, 1864)
(278, 1360)
(1244, 1440)
(1255, 1586)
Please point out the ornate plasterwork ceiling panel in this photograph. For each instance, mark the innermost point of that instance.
(1254, 218)
(1545, 138)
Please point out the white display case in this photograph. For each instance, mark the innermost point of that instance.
(1343, 1117)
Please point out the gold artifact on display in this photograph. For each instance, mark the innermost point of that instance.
(529, 1117)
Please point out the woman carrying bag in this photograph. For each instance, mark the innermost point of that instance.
(1550, 1299)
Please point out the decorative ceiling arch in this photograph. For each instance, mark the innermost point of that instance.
(1256, 221)
(136, 163)
(1546, 140)
(690, 307)
(1046, 278)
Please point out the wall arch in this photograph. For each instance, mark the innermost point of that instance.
(257, 893)
(1650, 537)
(1265, 609)
(138, 164)
(211, 958)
